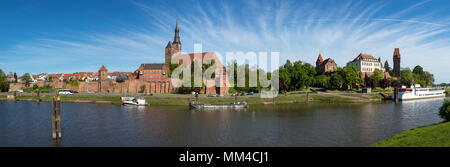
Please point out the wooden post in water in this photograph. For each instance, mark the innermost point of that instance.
(56, 118)
(396, 95)
(307, 97)
(53, 114)
(38, 98)
(15, 96)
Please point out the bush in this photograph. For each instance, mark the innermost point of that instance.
(444, 111)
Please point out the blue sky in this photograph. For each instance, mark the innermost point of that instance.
(70, 36)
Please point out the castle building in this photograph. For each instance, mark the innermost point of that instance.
(367, 64)
(396, 59)
(325, 66)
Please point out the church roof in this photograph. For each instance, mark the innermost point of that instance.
(320, 59)
(169, 45)
(329, 60)
(151, 66)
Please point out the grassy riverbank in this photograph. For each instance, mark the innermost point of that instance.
(179, 99)
(436, 135)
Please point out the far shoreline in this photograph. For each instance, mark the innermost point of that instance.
(184, 99)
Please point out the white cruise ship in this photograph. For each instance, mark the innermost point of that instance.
(415, 92)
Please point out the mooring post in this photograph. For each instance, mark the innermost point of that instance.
(396, 95)
(38, 99)
(307, 97)
(53, 113)
(58, 118)
(15, 98)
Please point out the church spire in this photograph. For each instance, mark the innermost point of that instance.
(176, 38)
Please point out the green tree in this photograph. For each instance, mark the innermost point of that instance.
(4, 85)
(15, 77)
(444, 111)
(336, 80)
(407, 77)
(384, 83)
(35, 87)
(387, 67)
(323, 81)
(378, 75)
(26, 79)
(428, 78)
(351, 76)
(418, 70)
(302, 75)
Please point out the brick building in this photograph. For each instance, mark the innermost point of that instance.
(216, 85)
(396, 59)
(325, 66)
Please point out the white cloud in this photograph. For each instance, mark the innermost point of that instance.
(298, 30)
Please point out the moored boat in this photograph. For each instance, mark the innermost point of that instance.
(238, 105)
(133, 101)
(416, 92)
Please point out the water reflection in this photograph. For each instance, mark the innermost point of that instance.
(28, 124)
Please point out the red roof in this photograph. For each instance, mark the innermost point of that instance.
(320, 59)
(396, 53)
(364, 56)
(102, 68)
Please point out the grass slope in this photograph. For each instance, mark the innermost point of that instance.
(436, 135)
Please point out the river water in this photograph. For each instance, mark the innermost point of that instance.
(28, 124)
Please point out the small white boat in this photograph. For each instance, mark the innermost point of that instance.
(134, 101)
(415, 92)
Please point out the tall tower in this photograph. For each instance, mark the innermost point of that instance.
(168, 54)
(396, 59)
(318, 63)
(102, 78)
(176, 39)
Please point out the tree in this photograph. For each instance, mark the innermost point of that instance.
(302, 75)
(27, 79)
(4, 85)
(444, 111)
(121, 77)
(429, 78)
(387, 67)
(142, 89)
(406, 77)
(418, 70)
(395, 83)
(15, 77)
(351, 76)
(384, 83)
(336, 80)
(35, 86)
(378, 75)
(322, 81)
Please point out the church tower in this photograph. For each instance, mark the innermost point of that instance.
(319, 62)
(176, 39)
(173, 47)
(396, 59)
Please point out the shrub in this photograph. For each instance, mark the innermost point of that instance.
(444, 111)
(35, 86)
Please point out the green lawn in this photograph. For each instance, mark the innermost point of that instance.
(177, 99)
(436, 135)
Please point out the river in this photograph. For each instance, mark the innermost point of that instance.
(28, 124)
